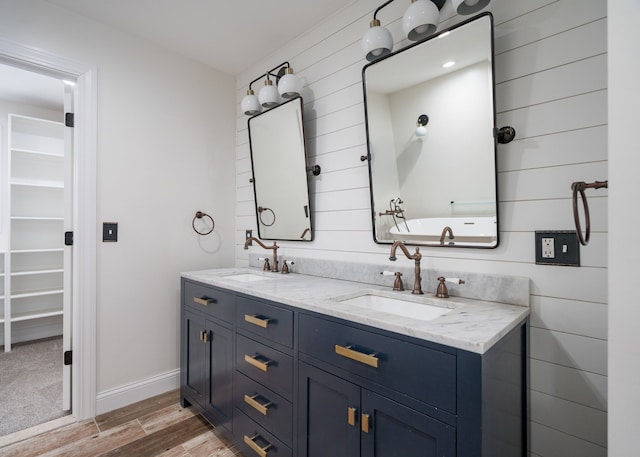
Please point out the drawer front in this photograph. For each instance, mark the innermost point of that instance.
(214, 302)
(267, 321)
(265, 365)
(255, 441)
(427, 375)
(264, 406)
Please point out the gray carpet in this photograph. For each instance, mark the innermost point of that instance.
(30, 385)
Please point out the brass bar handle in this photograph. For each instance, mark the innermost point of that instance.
(261, 451)
(365, 423)
(367, 359)
(201, 335)
(251, 360)
(204, 301)
(351, 416)
(255, 320)
(205, 336)
(251, 401)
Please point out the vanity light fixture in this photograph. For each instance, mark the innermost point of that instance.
(289, 86)
(419, 21)
(421, 130)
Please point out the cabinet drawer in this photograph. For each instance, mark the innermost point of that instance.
(425, 374)
(214, 302)
(267, 321)
(255, 440)
(264, 406)
(265, 365)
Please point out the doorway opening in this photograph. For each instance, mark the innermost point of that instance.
(36, 209)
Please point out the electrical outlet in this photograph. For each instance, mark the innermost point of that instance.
(548, 249)
(558, 247)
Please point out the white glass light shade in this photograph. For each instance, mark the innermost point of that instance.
(420, 20)
(250, 104)
(469, 6)
(289, 85)
(421, 131)
(377, 42)
(269, 96)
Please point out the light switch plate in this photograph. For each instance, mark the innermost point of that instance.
(110, 231)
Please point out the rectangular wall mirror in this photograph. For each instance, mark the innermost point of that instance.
(430, 117)
(279, 166)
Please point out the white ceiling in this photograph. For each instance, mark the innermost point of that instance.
(228, 35)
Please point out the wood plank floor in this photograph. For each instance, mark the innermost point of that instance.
(158, 426)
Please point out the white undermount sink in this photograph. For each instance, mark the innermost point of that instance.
(397, 306)
(249, 277)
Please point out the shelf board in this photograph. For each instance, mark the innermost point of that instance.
(36, 251)
(37, 183)
(18, 317)
(37, 272)
(36, 218)
(38, 152)
(41, 293)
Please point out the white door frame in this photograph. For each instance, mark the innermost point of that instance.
(84, 291)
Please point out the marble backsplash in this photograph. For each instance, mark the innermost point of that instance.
(480, 286)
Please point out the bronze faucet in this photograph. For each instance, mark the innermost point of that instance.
(444, 232)
(417, 283)
(274, 267)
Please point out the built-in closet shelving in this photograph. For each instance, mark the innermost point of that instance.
(33, 267)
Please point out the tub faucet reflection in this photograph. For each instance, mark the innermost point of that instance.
(274, 266)
(444, 232)
(416, 256)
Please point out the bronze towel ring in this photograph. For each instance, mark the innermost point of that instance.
(200, 215)
(580, 186)
(261, 210)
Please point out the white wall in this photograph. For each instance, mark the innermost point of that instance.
(165, 150)
(624, 219)
(551, 62)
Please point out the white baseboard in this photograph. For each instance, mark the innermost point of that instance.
(111, 399)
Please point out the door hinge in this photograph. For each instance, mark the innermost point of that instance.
(69, 120)
(67, 357)
(68, 238)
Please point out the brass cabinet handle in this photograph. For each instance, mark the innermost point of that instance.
(351, 416)
(204, 301)
(264, 366)
(255, 320)
(261, 451)
(365, 423)
(367, 359)
(251, 401)
(205, 336)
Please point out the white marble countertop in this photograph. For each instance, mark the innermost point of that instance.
(472, 325)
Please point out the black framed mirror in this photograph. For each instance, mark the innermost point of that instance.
(279, 167)
(430, 119)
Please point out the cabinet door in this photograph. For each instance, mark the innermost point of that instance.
(395, 430)
(196, 380)
(327, 427)
(220, 373)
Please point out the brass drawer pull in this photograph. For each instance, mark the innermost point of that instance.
(251, 401)
(204, 301)
(261, 451)
(351, 416)
(365, 425)
(255, 320)
(264, 366)
(367, 359)
(204, 336)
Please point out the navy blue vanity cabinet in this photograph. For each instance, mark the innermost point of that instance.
(207, 352)
(264, 378)
(376, 393)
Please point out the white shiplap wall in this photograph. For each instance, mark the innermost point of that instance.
(551, 85)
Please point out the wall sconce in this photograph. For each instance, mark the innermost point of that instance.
(289, 86)
(419, 21)
(421, 130)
